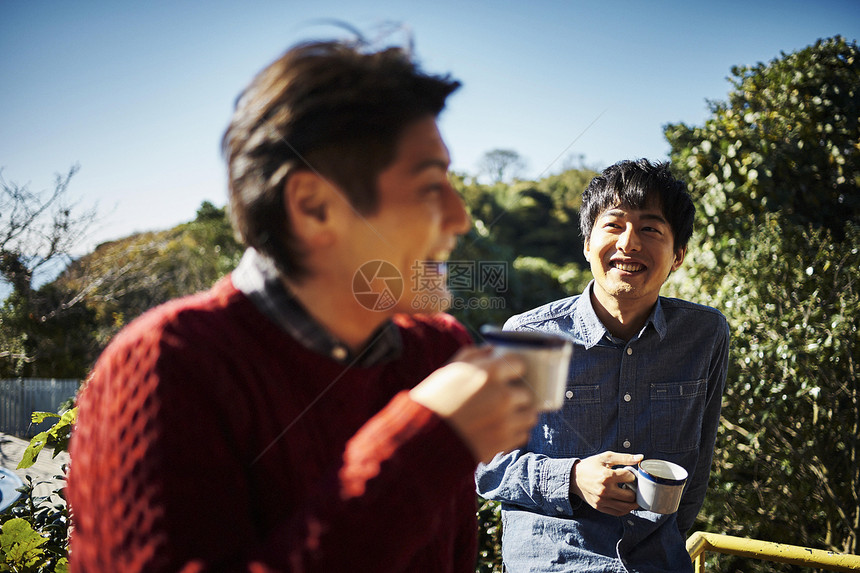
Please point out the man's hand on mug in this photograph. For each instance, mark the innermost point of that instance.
(599, 485)
(483, 399)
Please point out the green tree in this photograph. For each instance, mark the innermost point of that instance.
(786, 140)
(532, 229)
(787, 463)
(775, 174)
(122, 279)
(535, 218)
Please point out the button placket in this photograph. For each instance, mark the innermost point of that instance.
(626, 409)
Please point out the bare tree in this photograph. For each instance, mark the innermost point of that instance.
(37, 229)
(501, 164)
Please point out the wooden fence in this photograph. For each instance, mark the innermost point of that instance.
(19, 398)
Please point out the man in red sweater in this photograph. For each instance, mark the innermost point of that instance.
(310, 412)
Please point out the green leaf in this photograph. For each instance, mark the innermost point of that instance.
(28, 458)
(57, 436)
(20, 544)
(39, 417)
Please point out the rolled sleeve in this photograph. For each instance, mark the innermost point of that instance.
(531, 481)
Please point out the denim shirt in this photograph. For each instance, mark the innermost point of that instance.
(657, 394)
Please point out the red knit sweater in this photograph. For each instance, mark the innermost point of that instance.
(208, 439)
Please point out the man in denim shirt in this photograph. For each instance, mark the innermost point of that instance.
(646, 379)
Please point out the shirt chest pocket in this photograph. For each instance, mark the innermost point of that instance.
(676, 415)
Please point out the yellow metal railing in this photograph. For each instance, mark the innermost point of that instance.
(699, 543)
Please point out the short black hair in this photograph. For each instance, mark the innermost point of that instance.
(638, 184)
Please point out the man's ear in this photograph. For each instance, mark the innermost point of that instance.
(308, 201)
(679, 258)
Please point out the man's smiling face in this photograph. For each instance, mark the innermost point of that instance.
(417, 221)
(631, 253)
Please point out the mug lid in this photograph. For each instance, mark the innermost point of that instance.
(533, 338)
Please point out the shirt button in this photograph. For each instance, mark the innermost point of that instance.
(626, 443)
(627, 397)
(569, 394)
(338, 353)
(630, 522)
(558, 509)
(629, 351)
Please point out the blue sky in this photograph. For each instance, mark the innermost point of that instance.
(139, 93)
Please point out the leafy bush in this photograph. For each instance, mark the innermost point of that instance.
(489, 536)
(34, 532)
(787, 462)
(776, 174)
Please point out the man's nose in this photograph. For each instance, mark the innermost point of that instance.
(457, 219)
(628, 240)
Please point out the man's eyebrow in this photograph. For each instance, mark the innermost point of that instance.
(614, 213)
(654, 217)
(430, 163)
(646, 216)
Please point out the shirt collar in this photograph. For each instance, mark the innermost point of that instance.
(258, 278)
(591, 330)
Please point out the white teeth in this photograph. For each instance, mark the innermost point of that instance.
(628, 267)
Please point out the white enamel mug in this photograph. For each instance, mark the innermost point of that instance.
(658, 486)
(547, 359)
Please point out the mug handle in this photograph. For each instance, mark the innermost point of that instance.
(630, 486)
